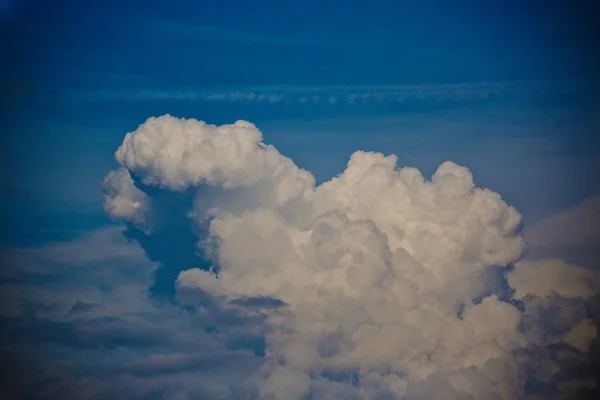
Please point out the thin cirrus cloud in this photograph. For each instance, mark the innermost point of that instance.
(336, 95)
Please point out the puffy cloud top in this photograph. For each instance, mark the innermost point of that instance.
(177, 153)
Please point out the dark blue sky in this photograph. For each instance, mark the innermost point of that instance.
(108, 43)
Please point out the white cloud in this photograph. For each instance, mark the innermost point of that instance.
(381, 269)
(176, 154)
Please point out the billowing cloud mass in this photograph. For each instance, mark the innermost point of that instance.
(376, 284)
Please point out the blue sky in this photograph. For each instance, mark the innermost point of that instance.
(508, 89)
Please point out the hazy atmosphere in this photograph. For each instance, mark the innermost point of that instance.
(299, 200)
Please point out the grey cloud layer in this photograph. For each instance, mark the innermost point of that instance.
(92, 332)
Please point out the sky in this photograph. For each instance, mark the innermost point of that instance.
(127, 257)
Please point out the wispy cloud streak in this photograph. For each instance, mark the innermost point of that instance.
(335, 95)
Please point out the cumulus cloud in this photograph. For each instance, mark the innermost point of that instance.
(379, 283)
